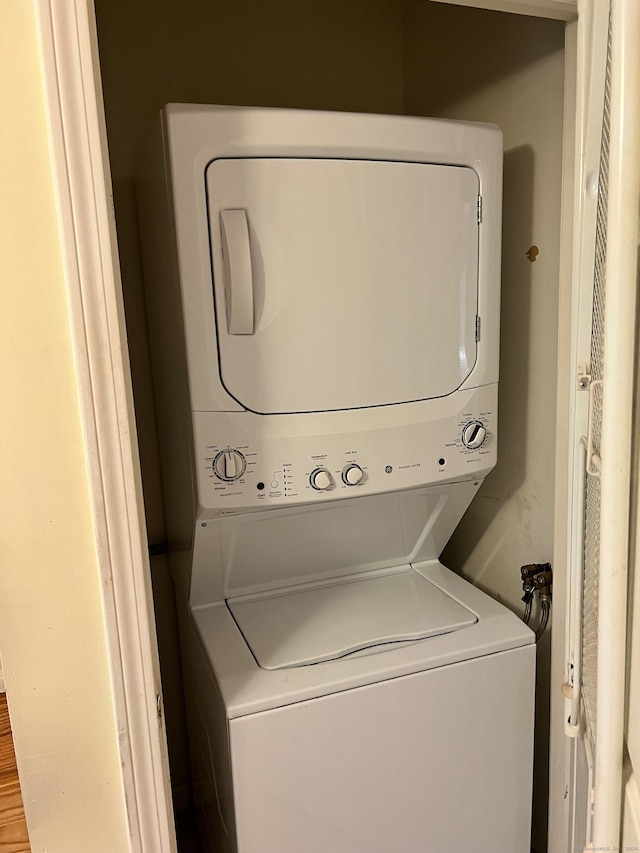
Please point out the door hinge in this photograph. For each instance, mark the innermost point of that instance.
(479, 209)
(584, 374)
(477, 328)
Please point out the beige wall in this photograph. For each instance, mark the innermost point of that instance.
(52, 631)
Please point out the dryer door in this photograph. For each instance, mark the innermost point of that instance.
(342, 284)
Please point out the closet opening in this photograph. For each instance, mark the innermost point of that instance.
(413, 57)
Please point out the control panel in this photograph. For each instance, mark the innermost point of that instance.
(247, 461)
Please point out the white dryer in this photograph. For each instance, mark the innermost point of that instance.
(323, 298)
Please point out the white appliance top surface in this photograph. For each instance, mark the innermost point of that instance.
(361, 278)
(247, 688)
(326, 622)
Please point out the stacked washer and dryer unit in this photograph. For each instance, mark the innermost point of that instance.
(323, 300)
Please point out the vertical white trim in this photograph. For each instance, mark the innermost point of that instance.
(82, 186)
(585, 46)
(559, 746)
(619, 336)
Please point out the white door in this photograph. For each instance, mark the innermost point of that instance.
(598, 510)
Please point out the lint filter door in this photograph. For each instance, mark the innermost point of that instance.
(342, 284)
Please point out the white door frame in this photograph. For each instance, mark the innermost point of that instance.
(584, 92)
(599, 803)
(82, 186)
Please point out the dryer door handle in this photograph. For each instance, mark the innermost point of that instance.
(238, 278)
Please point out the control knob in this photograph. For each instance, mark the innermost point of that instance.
(474, 434)
(352, 474)
(229, 465)
(321, 480)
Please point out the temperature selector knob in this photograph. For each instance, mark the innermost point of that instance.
(474, 434)
(229, 465)
(352, 474)
(321, 480)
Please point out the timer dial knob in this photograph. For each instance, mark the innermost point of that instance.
(352, 474)
(474, 434)
(321, 480)
(229, 465)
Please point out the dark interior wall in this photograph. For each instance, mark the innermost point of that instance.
(454, 53)
(509, 69)
(394, 56)
(334, 54)
(326, 55)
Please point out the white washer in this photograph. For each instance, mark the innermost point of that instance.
(425, 746)
(323, 300)
(389, 709)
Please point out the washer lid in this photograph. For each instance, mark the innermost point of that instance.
(323, 623)
(342, 284)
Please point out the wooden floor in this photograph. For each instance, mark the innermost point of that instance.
(13, 829)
